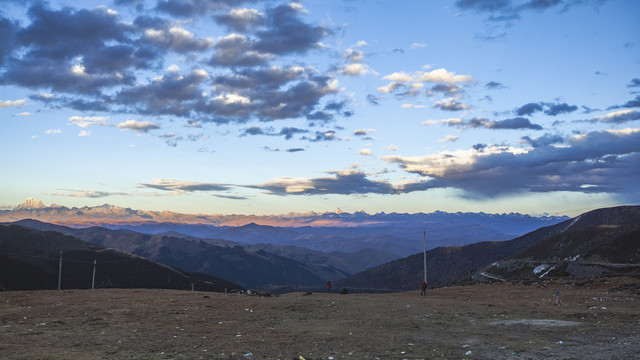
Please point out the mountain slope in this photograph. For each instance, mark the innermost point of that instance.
(29, 260)
(600, 242)
(608, 231)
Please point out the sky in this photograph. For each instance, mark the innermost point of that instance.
(271, 107)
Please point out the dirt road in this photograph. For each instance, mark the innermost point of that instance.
(597, 320)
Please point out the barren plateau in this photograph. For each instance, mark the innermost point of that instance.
(598, 319)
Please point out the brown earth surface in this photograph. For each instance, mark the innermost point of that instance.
(598, 319)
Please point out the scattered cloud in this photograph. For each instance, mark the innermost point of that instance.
(450, 104)
(176, 39)
(552, 109)
(177, 187)
(329, 135)
(241, 19)
(450, 138)
(618, 117)
(599, 161)
(88, 194)
(494, 85)
(138, 126)
(402, 84)
(629, 104)
(508, 10)
(344, 182)
(287, 132)
(635, 82)
(363, 132)
(542, 141)
(508, 124)
(86, 121)
(413, 106)
(365, 152)
(96, 61)
(53, 131)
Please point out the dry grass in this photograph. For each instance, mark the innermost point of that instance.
(500, 321)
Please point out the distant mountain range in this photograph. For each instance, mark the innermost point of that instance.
(366, 256)
(399, 234)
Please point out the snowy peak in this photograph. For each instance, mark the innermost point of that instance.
(31, 204)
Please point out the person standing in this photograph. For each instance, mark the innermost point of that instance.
(328, 286)
(424, 288)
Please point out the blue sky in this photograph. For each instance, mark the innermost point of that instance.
(269, 107)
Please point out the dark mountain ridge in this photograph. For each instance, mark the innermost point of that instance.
(600, 242)
(30, 260)
(252, 268)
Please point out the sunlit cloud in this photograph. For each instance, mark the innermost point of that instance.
(138, 126)
(86, 121)
(13, 103)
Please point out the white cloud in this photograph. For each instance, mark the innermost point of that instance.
(291, 185)
(418, 45)
(450, 104)
(86, 121)
(595, 162)
(443, 76)
(451, 121)
(449, 138)
(356, 69)
(53, 131)
(428, 122)
(353, 55)
(365, 152)
(618, 116)
(228, 99)
(400, 77)
(84, 133)
(413, 106)
(363, 132)
(138, 126)
(24, 114)
(13, 103)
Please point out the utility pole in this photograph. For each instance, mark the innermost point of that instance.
(60, 272)
(93, 281)
(425, 256)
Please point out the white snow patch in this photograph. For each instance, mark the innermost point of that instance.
(570, 225)
(540, 268)
(546, 272)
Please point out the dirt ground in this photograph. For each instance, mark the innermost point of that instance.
(598, 319)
